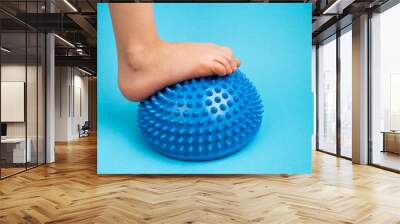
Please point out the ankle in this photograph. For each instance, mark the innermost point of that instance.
(140, 54)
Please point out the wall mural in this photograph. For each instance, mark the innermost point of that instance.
(204, 88)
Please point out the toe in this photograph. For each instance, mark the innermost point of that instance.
(233, 63)
(228, 54)
(218, 68)
(226, 64)
(237, 62)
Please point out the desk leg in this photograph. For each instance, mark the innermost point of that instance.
(384, 142)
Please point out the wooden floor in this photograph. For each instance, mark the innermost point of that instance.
(70, 191)
(386, 159)
(5, 172)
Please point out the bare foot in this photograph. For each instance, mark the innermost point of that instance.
(145, 69)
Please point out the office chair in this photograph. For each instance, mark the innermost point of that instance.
(84, 130)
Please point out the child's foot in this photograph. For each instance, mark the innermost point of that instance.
(144, 70)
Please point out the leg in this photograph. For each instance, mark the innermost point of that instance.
(147, 64)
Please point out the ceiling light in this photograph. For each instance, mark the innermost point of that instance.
(337, 7)
(70, 5)
(65, 41)
(5, 50)
(79, 51)
(84, 71)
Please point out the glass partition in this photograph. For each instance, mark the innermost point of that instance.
(346, 93)
(327, 95)
(22, 77)
(32, 96)
(14, 153)
(385, 89)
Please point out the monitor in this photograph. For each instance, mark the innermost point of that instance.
(3, 129)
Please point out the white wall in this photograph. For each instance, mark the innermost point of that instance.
(62, 82)
(12, 73)
(81, 85)
(71, 94)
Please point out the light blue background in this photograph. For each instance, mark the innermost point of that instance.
(273, 42)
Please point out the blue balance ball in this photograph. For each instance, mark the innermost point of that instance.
(203, 118)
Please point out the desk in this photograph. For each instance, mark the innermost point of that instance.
(391, 141)
(17, 152)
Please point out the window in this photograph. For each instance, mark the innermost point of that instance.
(334, 138)
(327, 95)
(385, 89)
(346, 92)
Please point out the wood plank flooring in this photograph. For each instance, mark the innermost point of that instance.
(70, 191)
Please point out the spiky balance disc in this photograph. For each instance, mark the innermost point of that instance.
(202, 119)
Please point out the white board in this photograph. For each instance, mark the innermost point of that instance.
(12, 101)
